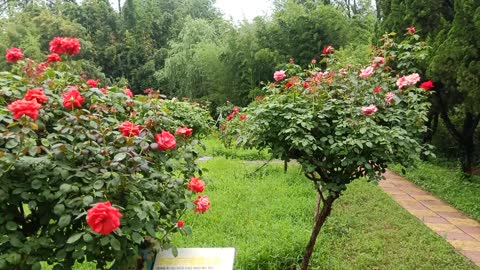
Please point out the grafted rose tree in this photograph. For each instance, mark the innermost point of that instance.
(87, 174)
(340, 123)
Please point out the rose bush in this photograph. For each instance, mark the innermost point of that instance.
(340, 123)
(82, 174)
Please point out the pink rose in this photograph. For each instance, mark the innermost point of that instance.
(389, 97)
(305, 84)
(196, 185)
(408, 80)
(128, 92)
(202, 204)
(343, 71)
(377, 61)
(103, 218)
(279, 75)
(369, 110)
(366, 72)
(411, 30)
(184, 131)
(165, 140)
(314, 61)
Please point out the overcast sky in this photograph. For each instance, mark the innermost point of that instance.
(248, 9)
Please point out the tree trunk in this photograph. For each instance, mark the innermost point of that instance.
(319, 221)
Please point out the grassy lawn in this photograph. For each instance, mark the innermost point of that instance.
(447, 184)
(215, 148)
(268, 217)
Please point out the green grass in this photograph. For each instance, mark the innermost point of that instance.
(268, 218)
(215, 148)
(447, 183)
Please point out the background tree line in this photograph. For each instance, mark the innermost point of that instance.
(184, 48)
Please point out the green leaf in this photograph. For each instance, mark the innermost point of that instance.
(36, 184)
(120, 156)
(64, 221)
(87, 238)
(59, 209)
(87, 200)
(74, 238)
(61, 254)
(98, 184)
(11, 226)
(115, 244)
(175, 251)
(37, 266)
(14, 241)
(104, 241)
(11, 144)
(137, 238)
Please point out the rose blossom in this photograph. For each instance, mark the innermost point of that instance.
(328, 49)
(427, 85)
(53, 57)
(148, 91)
(202, 203)
(279, 75)
(377, 89)
(13, 55)
(288, 84)
(180, 224)
(411, 30)
(305, 84)
(103, 218)
(129, 129)
(92, 83)
(184, 131)
(389, 97)
(128, 92)
(37, 95)
(343, 71)
(369, 110)
(314, 61)
(243, 117)
(60, 45)
(72, 99)
(377, 61)
(408, 80)
(366, 72)
(196, 185)
(165, 140)
(24, 107)
(104, 90)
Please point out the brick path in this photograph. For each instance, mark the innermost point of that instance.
(459, 230)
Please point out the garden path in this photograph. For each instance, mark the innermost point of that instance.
(459, 230)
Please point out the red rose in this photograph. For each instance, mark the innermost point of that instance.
(66, 45)
(184, 131)
(92, 83)
(104, 90)
(196, 185)
(41, 67)
(165, 140)
(427, 85)
(180, 224)
(128, 92)
(202, 203)
(230, 116)
(24, 107)
(243, 117)
(36, 94)
(377, 89)
(72, 99)
(13, 55)
(288, 84)
(236, 110)
(305, 84)
(103, 218)
(53, 57)
(129, 129)
(148, 91)
(327, 50)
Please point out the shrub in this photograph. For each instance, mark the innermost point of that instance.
(68, 147)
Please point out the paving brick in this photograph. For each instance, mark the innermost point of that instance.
(472, 255)
(442, 208)
(433, 202)
(469, 229)
(463, 222)
(422, 213)
(451, 214)
(439, 227)
(416, 206)
(435, 220)
(465, 245)
(424, 197)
